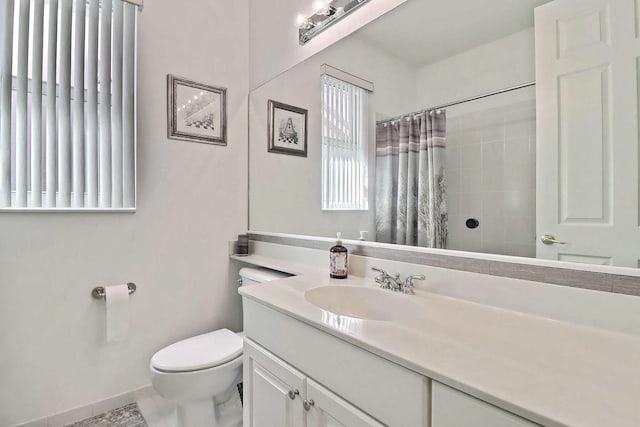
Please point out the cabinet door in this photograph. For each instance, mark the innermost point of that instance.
(451, 408)
(329, 410)
(273, 390)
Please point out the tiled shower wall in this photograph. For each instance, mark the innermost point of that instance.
(491, 177)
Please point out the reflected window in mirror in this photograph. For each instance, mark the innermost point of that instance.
(344, 145)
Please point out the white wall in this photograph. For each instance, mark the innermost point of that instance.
(274, 45)
(191, 201)
(506, 62)
(285, 191)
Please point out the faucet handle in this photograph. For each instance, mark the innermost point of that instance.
(407, 287)
(379, 270)
(383, 278)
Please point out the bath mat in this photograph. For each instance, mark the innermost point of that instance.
(125, 416)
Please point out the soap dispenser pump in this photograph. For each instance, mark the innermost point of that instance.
(338, 257)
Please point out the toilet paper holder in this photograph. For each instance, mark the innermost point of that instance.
(99, 292)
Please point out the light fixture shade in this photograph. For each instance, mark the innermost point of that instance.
(334, 11)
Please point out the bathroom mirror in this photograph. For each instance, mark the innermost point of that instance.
(472, 66)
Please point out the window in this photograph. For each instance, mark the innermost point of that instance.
(67, 104)
(344, 145)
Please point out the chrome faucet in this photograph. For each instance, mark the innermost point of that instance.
(386, 281)
(407, 286)
(393, 283)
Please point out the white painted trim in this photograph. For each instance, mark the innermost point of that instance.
(87, 411)
(135, 2)
(346, 77)
(60, 210)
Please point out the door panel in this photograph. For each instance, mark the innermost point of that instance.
(451, 408)
(329, 410)
(587, 156)
(584, 150)
(267, 383)
(587, 29)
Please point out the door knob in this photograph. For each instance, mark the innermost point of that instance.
(549, 239)
(307, 404)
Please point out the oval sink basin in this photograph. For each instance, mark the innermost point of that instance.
(363, 303)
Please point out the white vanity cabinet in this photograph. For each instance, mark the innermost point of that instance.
(348, 385)
(273, 391)
(276, 394)
(329, 410)
(452, 408)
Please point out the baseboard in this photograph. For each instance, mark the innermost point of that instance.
(96, 408)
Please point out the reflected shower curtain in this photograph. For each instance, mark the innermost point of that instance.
(411, 204)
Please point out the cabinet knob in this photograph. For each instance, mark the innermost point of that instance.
(307, 404)
(293, 394)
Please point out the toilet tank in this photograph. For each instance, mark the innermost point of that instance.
(255, 275)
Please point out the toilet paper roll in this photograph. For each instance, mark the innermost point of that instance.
(117, 306)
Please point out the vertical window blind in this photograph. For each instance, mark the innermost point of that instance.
(67, 104)
(344, 145)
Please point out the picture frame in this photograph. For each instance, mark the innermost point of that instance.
(196, 112)
(287, 129)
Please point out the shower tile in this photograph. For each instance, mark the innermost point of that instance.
(519, 230)
(453, 158)
(471, 157)
(471, 181)
(520, 128)
(516, 151)
(471, 206)
(493, 154)
(493, 133)
(492, 229)
(453, 203)
(493, 204)
(519, 203)
(518, 177)
(469, 137)
(492, 178)
(454, 184)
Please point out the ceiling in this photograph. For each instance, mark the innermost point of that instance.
(421, 32)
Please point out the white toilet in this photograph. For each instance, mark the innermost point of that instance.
(201, 373)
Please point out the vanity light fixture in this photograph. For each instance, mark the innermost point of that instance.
(327, 13)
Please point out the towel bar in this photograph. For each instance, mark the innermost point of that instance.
(99, 292)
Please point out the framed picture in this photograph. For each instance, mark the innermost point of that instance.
(196, 112)
(287, 128)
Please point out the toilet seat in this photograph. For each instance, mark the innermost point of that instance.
(199, 352)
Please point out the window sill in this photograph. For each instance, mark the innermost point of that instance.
(63, 210)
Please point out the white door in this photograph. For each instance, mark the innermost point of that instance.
(325, 409)
(587, 71)
(451, 408)
(273, 390)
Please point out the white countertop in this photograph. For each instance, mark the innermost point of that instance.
(550, 372)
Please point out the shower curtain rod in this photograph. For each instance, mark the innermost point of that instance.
(462, 101)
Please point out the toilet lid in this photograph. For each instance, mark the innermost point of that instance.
(199, 352)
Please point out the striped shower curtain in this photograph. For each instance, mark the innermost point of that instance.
(411, 204)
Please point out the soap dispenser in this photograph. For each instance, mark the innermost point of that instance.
(339, 264)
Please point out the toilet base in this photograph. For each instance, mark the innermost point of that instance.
(196, 413)
(226, 411)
